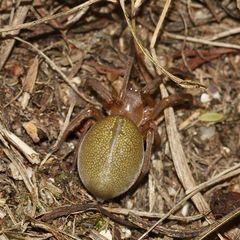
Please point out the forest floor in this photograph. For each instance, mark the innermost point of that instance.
(58, 58)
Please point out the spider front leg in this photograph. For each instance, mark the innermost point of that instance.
(100, 89)
(89, 113)
(170, 101)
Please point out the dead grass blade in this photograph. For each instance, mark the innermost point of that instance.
(202, 41)
(226, 33)
(49, 18)
(159, 24)
(56, 232)
(7, 45)
(29, 82)
(17, 161)
(179, 81)
(218, 224)
(179, 158)
(26, 150)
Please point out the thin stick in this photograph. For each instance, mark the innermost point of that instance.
(126, 78)
(66, 123)
(202, 41)
(49, 18)
(7, 45)
(226, 33)
(58, 70)
(159, 24)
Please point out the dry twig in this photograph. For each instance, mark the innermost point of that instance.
(7, 45)
(59, 71)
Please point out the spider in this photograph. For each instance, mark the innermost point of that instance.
(115, 150)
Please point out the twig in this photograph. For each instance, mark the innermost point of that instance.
(151, 215)
(159, 24)
(8, 44)
(17, 161)
(202, 41)
(28, 152)
(49, 18)
(58, 70)
(66, 122)
(215, 226)
(179, 159)
(224, 34)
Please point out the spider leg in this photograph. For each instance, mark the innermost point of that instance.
(170, 101)
(126, 79)
(104, 93)
(100, 89)
(89, 113)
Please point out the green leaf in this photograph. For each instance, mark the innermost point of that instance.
(100, 223)
(211, 117)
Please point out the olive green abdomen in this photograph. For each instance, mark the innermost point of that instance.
(110, 157)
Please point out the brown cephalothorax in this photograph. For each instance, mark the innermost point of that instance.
(112, 155)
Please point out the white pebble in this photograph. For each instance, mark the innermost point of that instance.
(205, 98)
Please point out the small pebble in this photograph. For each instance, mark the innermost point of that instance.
(207, 132)
(106, 233)
(205, 98)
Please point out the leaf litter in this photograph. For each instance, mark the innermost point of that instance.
(49, 49)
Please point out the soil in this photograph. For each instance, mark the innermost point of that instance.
(53, 67)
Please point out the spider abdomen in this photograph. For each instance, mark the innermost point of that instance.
(110, 157)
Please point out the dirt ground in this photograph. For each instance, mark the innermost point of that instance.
(59, 58)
